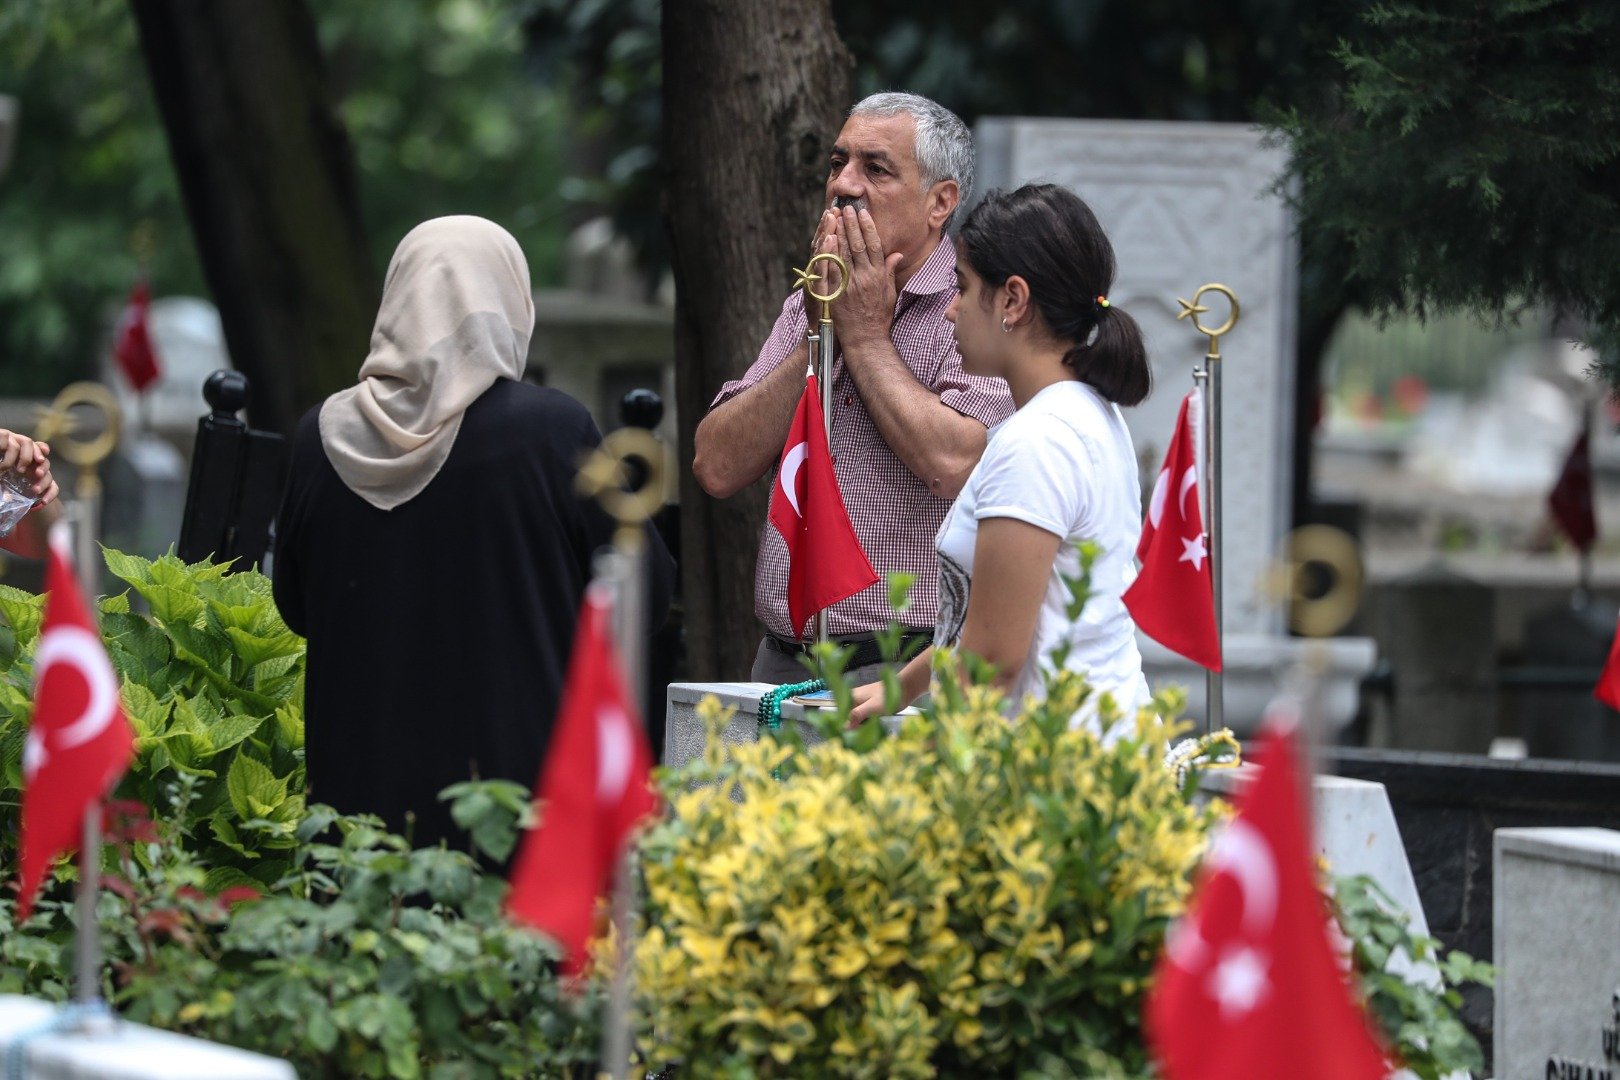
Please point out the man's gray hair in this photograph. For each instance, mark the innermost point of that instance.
(944, 144)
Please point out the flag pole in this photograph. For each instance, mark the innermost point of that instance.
(1583, 584)
(822, 344)
(82, 518)
(623, 568)
(1208, 378)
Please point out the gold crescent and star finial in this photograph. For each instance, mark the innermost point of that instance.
(1191, 309)
(1315, 551)
(57, 422)
(806, 277)
(605, 477)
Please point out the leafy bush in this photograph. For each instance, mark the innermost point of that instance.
(381, 962)
(968, 898)
(1410, 984)
(355, 955)
(213, 684)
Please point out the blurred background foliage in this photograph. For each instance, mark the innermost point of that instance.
(1415, 190)
(438, 97)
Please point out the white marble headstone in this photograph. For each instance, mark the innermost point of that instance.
(1186, 204)
(1556, 930)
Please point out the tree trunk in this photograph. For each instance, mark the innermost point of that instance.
(268, 179)
(754, 91)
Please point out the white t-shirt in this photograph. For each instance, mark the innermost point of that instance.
(1063, 463)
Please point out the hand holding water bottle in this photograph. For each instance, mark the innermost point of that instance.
(25, 478)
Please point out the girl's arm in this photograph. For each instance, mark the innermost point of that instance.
(1012, 563)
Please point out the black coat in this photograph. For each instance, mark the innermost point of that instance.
(439, 631)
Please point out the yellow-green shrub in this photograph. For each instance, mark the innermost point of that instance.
(971, 897)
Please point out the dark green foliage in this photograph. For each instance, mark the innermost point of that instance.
(213, 685)
(1417, 1010)
(441, 112)
(368, 960)
(1468, 156)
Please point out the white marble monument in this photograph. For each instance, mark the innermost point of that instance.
(116, 1050)
(1186, 204)
(1557, 952)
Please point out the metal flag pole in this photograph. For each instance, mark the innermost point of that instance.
(83, 518)
(1320, 580)
(1208, 378)
(822, 346)
(623, 569)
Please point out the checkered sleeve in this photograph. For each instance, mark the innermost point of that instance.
(785, 337)
(987, 400)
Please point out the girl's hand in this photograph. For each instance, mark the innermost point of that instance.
(868, 703)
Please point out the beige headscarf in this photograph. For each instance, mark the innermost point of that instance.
(456, 315)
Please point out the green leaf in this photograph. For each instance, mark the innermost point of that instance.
(221, 878)
(254, 790)
(255, 649)
(24, 611)
(231, 730)
(129, 568)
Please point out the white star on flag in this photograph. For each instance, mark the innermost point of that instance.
(1239, 981)
(1193, 551)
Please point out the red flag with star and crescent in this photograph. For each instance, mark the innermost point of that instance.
(1250, 983)
(79, 741)
(1173, 597)
(132, 340)
(826, 562)
(593, 792)
(1570, 500)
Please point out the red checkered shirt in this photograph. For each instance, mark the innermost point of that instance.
(895, 515)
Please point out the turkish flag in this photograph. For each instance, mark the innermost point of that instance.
(132, 340)
(593, 792)
(826, 563)
(1570, 500)
(1249, 983)
(1608, 685)
(79, 742)
(1173, 598)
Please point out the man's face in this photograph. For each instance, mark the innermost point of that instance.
(874, 164)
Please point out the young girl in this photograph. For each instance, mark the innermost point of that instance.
(1033, 273)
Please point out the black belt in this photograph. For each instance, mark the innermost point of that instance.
(866, 652)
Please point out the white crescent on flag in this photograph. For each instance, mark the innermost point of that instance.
(1243, 855)
(613, 753)
(788, 476)
(1160, 492)
(1189, 481)
(78, 648)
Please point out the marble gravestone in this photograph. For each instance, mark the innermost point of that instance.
(1187, 204)
(1557, 953)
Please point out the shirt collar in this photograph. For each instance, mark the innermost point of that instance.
(937, 273)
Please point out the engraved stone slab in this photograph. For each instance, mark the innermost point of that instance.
(1186, 204)
(1557, 953)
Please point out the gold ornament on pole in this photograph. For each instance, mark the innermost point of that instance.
(1208, 379)
(626, 476)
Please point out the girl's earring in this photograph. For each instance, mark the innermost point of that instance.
(1005, 329)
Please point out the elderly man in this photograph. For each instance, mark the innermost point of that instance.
(908, 424)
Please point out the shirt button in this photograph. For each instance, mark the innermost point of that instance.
(849, 399)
